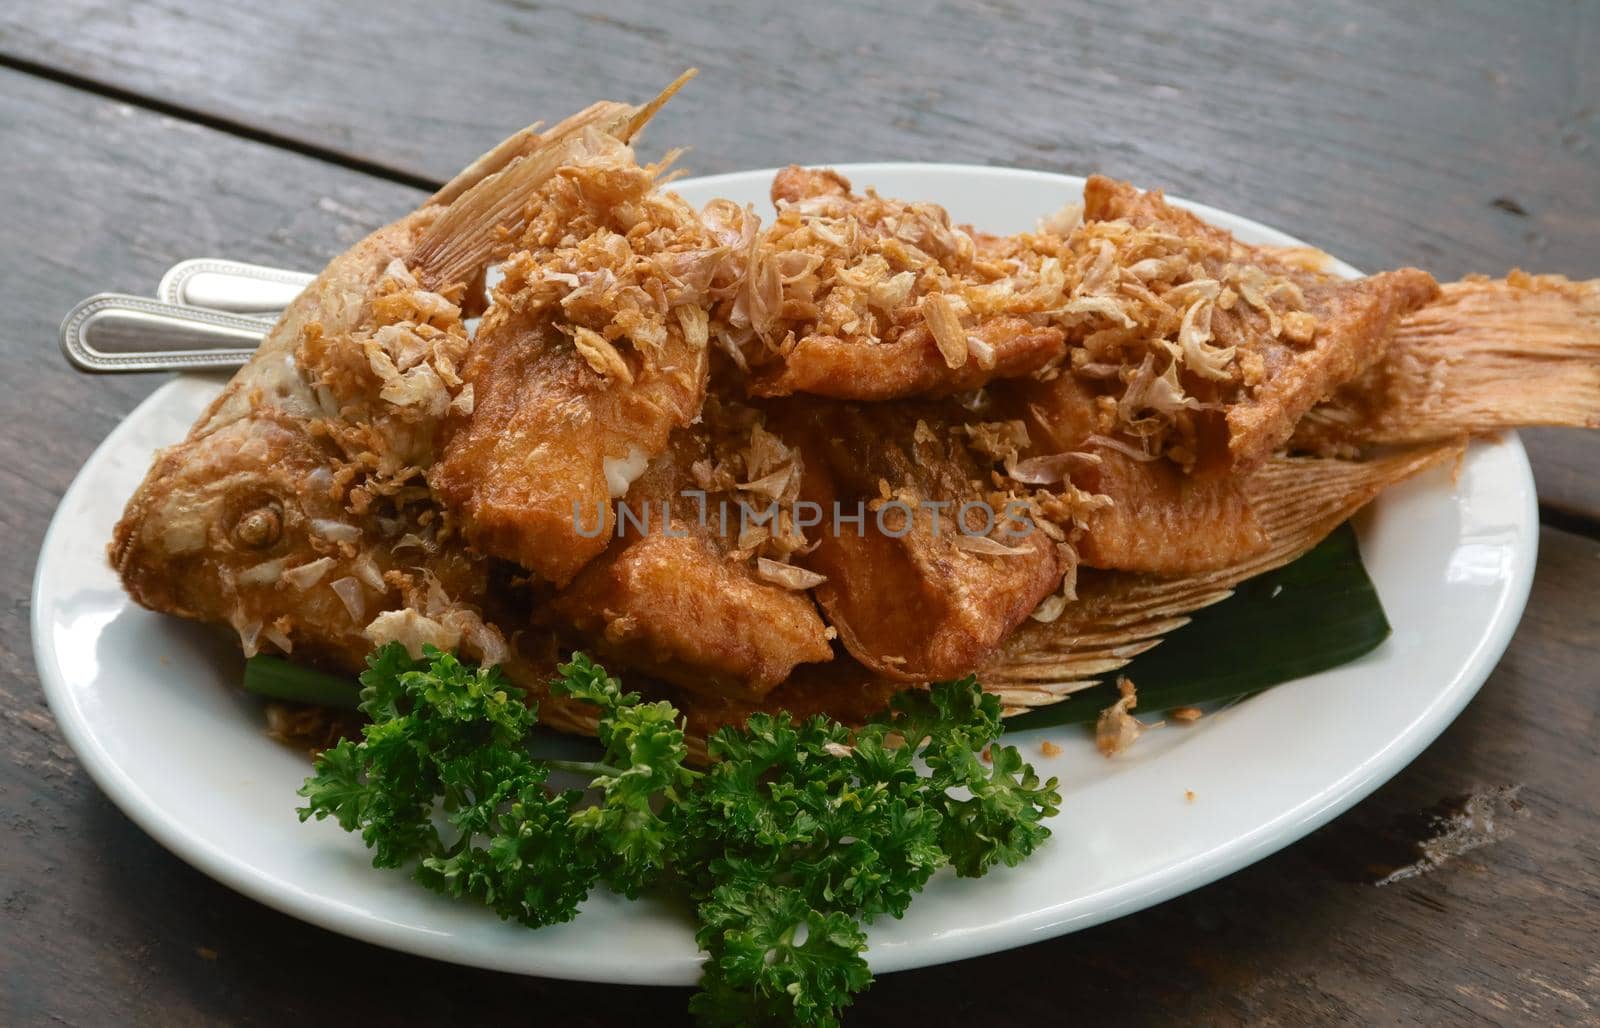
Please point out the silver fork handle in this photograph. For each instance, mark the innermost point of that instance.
(233, 286)
(115, 332)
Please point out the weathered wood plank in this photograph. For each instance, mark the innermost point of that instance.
(1566, 468)
(1327, 120)
(1323, 120)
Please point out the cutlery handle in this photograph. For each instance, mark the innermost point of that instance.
(114, 332)
(232, 286)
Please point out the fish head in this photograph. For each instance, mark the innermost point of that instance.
(223, 521)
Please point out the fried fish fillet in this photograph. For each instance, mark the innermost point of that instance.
(1163, 521)
(912, 365)
(914, 597)
(1118, 614)
(676, 598)
(874, 299)
(1260, 344)
(594, 349)
(1355, 322)
(1159, 519)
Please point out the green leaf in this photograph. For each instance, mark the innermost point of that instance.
(643, 765)
(1317, 613)
(338, 789)
(775, 959)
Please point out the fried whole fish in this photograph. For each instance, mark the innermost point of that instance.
(1126, 377)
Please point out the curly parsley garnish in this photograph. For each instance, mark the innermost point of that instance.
(798, 834)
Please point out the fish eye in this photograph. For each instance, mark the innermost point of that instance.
(259, 527)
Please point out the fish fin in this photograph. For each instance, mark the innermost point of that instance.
(477, 223)
(488, 200)
(1489, 354)
(514, 146)
(642, 115)
(1118, 615)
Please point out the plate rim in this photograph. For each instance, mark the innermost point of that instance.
(1043, 922)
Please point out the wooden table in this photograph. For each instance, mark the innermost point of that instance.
(1458, 140)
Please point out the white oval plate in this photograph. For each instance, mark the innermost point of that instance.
(149, 705)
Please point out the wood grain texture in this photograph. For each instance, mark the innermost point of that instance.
(1385, 138)
(1456, 137)
(1315, 118)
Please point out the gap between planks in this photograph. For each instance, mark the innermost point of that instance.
(1575, 522)
(229, 126)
